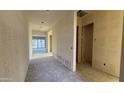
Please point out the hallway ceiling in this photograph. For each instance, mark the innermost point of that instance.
(43, 20)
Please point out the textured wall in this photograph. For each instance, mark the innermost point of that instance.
(30, 40)
(79, 23)
(49, 41)
(63, 39)
(108, 35)
(122, 56)
(13, 46)
(39, 33)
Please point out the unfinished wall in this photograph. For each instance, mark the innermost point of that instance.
(13, 46)
(79, 23)
(107, 39)
(63, 39)
(39, 33)
(121, 79)
(49, 41)
(88, 19)
(30, 40)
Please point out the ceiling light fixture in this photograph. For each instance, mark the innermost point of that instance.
(42, 22)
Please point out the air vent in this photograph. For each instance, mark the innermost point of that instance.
(81, 13)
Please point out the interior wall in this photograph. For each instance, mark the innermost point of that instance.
(121, 79)
(30, 40)
(63, 35)
(79, 24)
(39, 33)
(14, 54)
(48, 36)
(107, 39)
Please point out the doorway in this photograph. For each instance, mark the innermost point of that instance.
(87, 44)
(77, 44)
(38, 44)
(50, 43)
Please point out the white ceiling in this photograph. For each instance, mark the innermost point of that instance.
(49, 17)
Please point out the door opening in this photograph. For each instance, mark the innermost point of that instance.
(77, 45)
(50, 43)
(38, 44)
(87, 44)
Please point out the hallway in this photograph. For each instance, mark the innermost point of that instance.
(36, 35)
(48, 69)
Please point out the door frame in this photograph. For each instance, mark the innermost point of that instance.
(77, 42)
(121, 79)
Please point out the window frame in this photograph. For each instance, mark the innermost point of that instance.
(37, 38)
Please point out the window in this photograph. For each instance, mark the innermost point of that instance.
(38, 42)
(34, 43)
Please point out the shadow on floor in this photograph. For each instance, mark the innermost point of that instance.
(94, 75)
(48, 69)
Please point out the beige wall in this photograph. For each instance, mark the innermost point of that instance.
(121, 79)
(13, 46)
(39, 33)
(108, 35)
(30, 39)
(79, 24)
(48, 36)
(63, 39)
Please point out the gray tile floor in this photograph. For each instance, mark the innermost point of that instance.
(48, 69)
(95, 75)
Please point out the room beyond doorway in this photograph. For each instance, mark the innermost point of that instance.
(41, 43)
(87, 43)
(50, 43)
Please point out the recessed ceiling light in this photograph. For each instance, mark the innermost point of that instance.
(42, 22)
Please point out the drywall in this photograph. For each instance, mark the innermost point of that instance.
(79, 24)
(63, 35)
(13, 46)
(49, 33)
(39, 33)
(121, 79)
(107, 39)
(30, 40)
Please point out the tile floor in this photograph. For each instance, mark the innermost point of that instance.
(94, 75)
(48, 69)
(41, 55)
